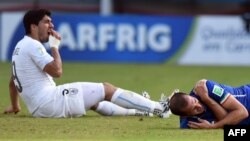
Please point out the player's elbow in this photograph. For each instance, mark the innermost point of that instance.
(58, 73)
(244, 113)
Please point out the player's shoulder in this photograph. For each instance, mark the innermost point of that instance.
(31, 42)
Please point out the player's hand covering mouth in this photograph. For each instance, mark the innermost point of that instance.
(49, 32)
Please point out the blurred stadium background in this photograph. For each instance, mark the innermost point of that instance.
(186, 32)
(162, 7)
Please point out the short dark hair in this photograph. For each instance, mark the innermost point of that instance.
(177, 103)
(34, 16)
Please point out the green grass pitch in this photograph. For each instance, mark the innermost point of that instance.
(153, 78)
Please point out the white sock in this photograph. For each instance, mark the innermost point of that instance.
(132, 100)
(107, 108)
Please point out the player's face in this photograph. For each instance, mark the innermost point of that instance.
(44, 28)
(194, 106)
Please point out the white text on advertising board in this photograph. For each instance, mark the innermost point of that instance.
(125, 36)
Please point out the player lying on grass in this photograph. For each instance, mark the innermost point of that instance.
(33, 69)
(212, 105)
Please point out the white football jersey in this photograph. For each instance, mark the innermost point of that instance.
(28, 61)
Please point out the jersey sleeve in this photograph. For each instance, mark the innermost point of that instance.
(40, 56)
(216, 92)
(184, 121)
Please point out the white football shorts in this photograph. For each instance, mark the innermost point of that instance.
(71, 100)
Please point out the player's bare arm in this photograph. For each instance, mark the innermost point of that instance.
(237, 112)
(200, 89)
(54, 68)
(14, 98)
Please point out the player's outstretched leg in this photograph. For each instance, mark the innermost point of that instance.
(107, 108)
(132, 100)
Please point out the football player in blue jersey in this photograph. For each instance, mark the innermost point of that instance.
(212, 105)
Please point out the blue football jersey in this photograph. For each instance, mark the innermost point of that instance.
(219, 92)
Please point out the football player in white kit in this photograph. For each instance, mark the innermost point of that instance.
(33, 69)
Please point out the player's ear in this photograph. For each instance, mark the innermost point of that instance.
(33, 27)
(199, 109)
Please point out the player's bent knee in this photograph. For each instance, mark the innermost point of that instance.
(109, 90)
(94, 107)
